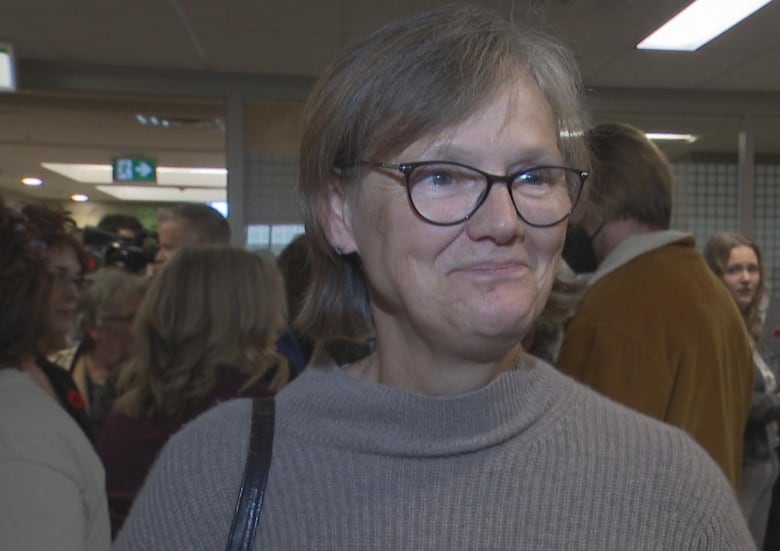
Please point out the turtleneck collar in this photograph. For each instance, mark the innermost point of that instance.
(327, 405)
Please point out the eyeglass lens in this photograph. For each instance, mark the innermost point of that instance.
(447, 193)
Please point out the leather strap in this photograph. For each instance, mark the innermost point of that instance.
(258, 461)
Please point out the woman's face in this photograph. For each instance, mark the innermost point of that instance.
(62, 263)
(742, 275)
(472, 290)
(113, 338)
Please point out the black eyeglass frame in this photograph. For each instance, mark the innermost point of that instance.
(407, 168)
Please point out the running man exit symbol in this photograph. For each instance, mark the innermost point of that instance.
(129, 169)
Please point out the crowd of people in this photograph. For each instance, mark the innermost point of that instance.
(538, 364)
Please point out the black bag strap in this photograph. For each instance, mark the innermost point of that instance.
(258, 461)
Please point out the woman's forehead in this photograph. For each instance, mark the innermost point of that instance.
(62, 256)
(512, 104)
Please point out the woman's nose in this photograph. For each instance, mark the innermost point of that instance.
(497, 218)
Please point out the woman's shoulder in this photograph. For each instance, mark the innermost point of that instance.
(34, 429)
(227, 423)
(602, 427)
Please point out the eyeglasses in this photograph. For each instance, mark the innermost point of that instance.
(63, 278)
(448, 193)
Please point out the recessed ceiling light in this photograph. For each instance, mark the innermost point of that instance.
(699, 23)
(671, 137)
(32, 181)
(79, 198)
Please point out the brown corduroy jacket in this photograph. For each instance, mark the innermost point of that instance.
(659, 333)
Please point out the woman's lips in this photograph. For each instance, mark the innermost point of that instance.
(494, 269)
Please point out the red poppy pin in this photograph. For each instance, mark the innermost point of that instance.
(75, 399)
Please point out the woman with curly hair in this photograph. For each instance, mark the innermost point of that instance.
(66, 261)
(52, 483)
(205, 333)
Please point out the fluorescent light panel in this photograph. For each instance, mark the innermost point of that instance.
(699, 23)
(166, 176)
(158, 194)
(671, 137)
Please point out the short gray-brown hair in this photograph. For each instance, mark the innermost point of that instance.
(205, 223)
(106, 288)
(413, 77)
(631, 177)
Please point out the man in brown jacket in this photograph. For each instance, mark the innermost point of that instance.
(656, 330)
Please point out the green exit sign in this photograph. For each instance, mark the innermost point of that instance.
(130, 169)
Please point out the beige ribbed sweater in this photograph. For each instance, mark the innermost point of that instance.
(531, 461)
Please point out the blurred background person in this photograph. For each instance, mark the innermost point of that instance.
(106, 312)
(121, 241)
(128, 228)
(52, 493)
(189, 224)
(738, 262)
(205, 333)
(67, 262)
(193, 224)
(656, 330)
(295, 266)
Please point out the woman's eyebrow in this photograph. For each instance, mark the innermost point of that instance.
(448, 151)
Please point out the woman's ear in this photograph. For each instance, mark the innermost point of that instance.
(338, 217)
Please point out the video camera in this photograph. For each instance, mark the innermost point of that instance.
(121, 252)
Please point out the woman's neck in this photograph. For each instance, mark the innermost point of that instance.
(97, 370)
(433, 378)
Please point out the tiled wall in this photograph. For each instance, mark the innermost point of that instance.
(706, 201)
(767, 220)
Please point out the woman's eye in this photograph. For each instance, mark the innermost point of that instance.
(538, 177)
(530, 177)
(441, 178)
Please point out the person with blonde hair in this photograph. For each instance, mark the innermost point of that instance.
(739, 264)
(441, 157)
(205, 333)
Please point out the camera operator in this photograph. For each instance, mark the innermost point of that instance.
(125, 227)
(121, 241)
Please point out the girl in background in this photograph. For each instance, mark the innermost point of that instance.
(737, 261)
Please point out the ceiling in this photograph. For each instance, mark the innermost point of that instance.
(87, 67)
